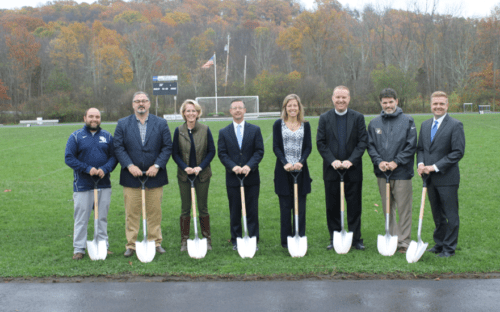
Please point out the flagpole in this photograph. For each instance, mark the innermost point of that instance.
(215, 74)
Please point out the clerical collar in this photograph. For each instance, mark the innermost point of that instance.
(340, 114)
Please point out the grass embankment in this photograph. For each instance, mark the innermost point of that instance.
(36, 216)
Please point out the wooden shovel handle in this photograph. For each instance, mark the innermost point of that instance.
(243, 205)
(387, 198)
(296, 198)
(96, 202)
(422, 203)
(193, 203)
(143, 191)
(342, 196)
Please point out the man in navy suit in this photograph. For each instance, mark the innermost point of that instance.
(142, 144)
(241, 149)
(342, 140)
(441, 145)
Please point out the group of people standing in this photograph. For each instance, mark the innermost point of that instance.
(142, 145)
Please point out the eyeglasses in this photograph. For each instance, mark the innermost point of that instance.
(140, 101)
(238, 108)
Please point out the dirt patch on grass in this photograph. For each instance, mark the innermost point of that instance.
(131, 278)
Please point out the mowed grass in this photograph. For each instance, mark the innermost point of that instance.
(36, 216)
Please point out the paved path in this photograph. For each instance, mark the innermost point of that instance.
(374, 295)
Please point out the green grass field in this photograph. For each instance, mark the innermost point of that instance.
(36, 216)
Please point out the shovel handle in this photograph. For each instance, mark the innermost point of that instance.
(342, 204)
(96, 204)
(243, 202)
(143, 193)
(422, 203)
(193, 202)
(388, 197)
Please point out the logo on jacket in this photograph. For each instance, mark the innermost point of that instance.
(378, 130)
(102, 139)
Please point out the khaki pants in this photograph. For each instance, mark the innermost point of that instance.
(401, 199)
(133, 214)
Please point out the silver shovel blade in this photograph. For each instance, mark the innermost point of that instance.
(197, 248)
(387, 244)
(145, 250)
(415, 251)
(97, 250)
(246, 246)
(342, 241)
(297, 246)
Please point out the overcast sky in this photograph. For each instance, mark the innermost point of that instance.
(466, 8)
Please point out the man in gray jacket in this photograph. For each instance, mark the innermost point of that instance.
(392, 143)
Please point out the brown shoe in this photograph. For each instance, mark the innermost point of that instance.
(129, 252)
(403, 250)
(78, 256)
(160, 250)
(110, 252)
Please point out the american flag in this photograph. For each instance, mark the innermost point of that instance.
(209, 63)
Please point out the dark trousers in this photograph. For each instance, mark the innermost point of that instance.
(353, 208)
(252, 209)
(287, 222)
(444, 205)
(201, 193)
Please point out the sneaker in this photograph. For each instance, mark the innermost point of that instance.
(78, 256)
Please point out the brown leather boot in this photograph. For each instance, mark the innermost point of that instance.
(205, 230)
(185, 226)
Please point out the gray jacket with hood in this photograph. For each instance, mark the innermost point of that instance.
(393, 137)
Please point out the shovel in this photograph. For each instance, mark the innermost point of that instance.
(342, 241)
(416, 250)
(197, 248)
(387, 244)
(97, 249)
(246, 245)
(297, 246)
(145, 250)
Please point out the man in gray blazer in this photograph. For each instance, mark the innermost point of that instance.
(441, 145)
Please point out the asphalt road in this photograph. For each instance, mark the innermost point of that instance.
(372, 295)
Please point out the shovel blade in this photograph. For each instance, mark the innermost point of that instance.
(246, 246)
(197, 248)
(97, 250)
(415, 251)
(342, 241)
(297, 246)
(387, 244)
(145, 251)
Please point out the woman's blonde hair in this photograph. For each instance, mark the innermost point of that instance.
(197, 107)
(284, 114)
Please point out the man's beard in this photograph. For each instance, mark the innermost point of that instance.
(93, 128)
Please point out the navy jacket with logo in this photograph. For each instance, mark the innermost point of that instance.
(85, 150)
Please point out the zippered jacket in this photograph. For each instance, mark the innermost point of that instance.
(393, 137)
(85, 150)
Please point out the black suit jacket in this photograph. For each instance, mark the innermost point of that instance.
(356, 143)
(251, 153)
(283, 179)
(444, 151)
(157, 149)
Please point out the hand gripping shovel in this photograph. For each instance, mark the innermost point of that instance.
(97, 249)
(416, 250)
(387, 244)
(197, 248)
(342, 241)
(145, 250)
(297, 246)
(246, 245)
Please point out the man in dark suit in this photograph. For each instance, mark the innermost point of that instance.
(241, 149)
(441, 145)
(142, 143)
(342, 140)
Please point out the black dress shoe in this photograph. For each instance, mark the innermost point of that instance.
(235, 247)
(160, 250)
(359, 246)
(129, 252)
(329, 247)
(446, 254)
(435, 249)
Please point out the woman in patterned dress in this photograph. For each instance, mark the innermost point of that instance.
(291, 145)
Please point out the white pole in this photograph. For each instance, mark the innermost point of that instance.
(227, 60)
(245, 74)
(215, 73)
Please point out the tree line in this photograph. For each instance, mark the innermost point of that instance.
(60, 58)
